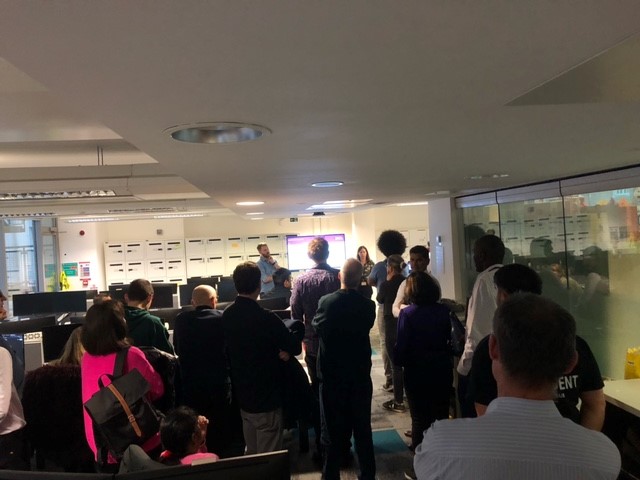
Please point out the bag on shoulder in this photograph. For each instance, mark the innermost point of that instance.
(457, 335)
(120, 411)
(166, 365)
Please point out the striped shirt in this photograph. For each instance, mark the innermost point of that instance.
(516, 438)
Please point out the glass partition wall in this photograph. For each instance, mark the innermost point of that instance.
(586, 248)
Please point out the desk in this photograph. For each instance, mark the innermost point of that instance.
(624, 394)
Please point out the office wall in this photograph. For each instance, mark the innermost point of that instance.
(83, 242)
(444, 253)
(361, 228)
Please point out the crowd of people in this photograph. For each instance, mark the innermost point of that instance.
(531, 381)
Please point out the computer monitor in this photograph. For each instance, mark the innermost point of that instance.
(297, 251)
(187, 290)
(272, 466)
(116, 292)
(276, 303)
(27, 326)
(162, 294)
(27, 304)
(54, 340)
(90, 294)
(226, 290)
(74, 301)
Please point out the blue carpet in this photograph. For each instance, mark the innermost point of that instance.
(388, 441)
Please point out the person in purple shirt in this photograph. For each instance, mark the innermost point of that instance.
(423, 349)
(307, 290)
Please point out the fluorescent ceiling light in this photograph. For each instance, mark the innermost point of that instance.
(256, 218)
(339, 204)
(93, 219)
(411, 204)
(439, 192)
(490, 175)
(249, 204)
(217, 132)
(255, 213)
(58, 195)
(27, 214)
(178, 215)
(328, 184)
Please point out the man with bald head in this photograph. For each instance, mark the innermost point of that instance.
(205, 386)
(342, 322)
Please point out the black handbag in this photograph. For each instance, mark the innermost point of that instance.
(457, 335)
(120, 411)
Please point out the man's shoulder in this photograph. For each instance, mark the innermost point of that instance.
(315, 275)
(204, 314)
(486, 276)
(344, 297)
(381, 265)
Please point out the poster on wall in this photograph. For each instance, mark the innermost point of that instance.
(85, 269)
(70, 269)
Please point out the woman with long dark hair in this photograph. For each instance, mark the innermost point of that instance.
(103, 335)
(423, 348)
(367, 265)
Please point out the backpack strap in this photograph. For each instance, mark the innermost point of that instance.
(121, 356)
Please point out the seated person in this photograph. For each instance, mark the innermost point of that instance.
(183, 434)
(52, 402)
(282, 285)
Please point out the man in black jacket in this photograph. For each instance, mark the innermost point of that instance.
(204, 372)
(257, 341)
(343, 321)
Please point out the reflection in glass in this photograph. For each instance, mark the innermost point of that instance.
(586, 248)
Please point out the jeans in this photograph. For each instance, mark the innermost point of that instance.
(386, 359)
(391, 337)
(312, 365)
(345, 407)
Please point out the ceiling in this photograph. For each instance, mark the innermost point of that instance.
(401, 101)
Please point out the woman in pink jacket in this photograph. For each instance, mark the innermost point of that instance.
(103, 334)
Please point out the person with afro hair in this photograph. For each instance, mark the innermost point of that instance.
(390, 242)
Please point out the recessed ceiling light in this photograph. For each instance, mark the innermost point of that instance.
(255, 213)
(328, 184)
(217, 132)
(249, 204)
